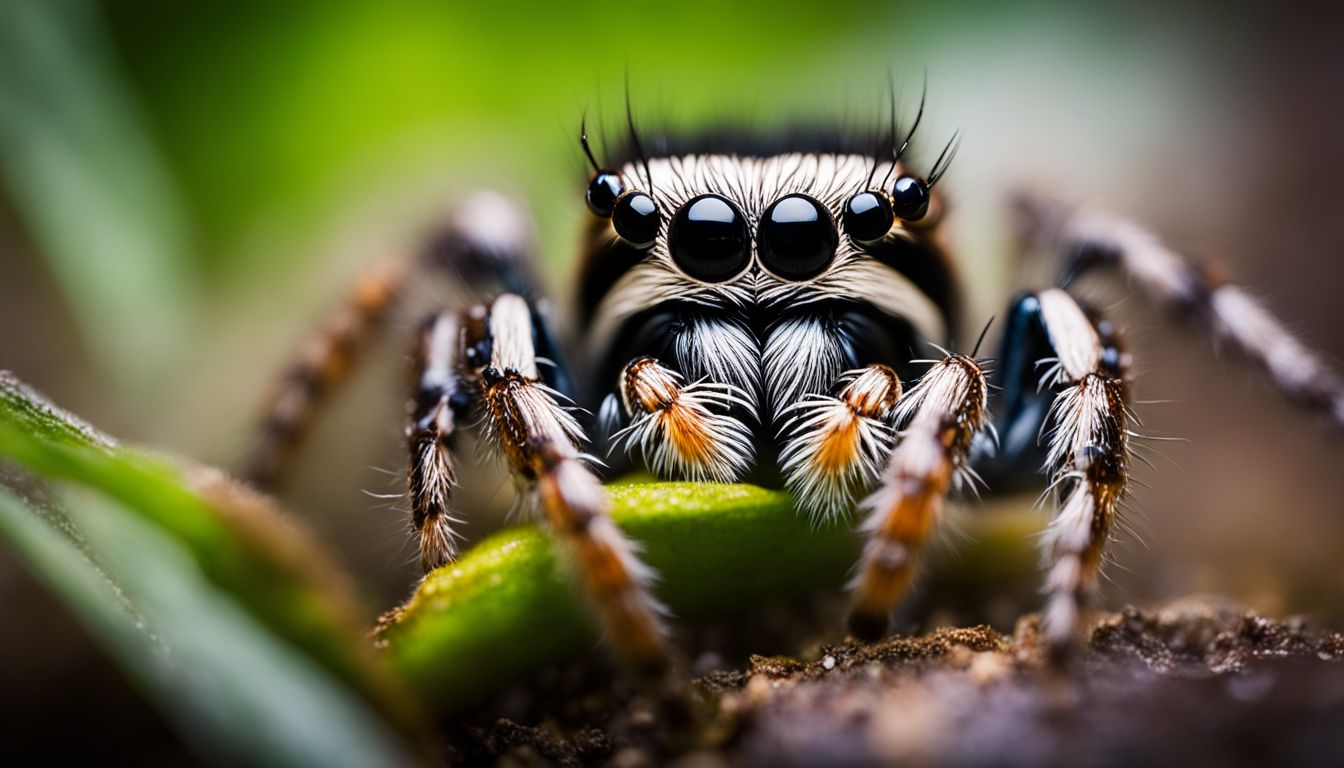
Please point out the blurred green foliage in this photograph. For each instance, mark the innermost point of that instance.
(222, 612)
(91, 186)
(267, 107)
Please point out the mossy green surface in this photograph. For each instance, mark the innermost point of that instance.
(507, 607)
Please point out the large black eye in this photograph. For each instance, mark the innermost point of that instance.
(708, 239)
(796, 238)
(910, 198)
(636, 219)
(868, 217)
(603, 191)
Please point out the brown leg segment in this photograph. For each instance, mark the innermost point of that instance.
(938, 419)
(438, 405)
(577, 508)
(323, 362)
(483, 244)
(683, 431)
(539, 439)
(836, 445)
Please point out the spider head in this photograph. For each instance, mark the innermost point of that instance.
(726, 222)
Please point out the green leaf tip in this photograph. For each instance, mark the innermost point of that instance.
(508, 608)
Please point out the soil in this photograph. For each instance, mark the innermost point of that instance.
(1197, 682)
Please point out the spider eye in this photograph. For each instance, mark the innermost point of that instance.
(708, 239)
(796, 238)
(910, 198)
(603, 192)
(868, 217)
(636, 218)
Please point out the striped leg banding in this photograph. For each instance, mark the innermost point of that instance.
(937, 421)
(433, 414)
(526, 424)
(1231, 314)
(323, 362)
(1087, 434)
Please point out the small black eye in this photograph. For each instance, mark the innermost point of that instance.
(603, 192)
(708, 239)
(910, 198)
(796, 238)
(868, 217)
(636, 219)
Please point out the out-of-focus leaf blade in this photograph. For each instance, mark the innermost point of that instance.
(221, 676)
(240, 541)
(90, 187)
(259, 567)
(507, 607)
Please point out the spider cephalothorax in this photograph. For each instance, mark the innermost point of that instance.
(762, 313)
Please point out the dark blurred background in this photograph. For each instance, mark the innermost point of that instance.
(187, 189)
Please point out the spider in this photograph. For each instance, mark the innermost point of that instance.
(764, 309)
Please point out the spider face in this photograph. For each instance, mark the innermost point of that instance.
(756, 227)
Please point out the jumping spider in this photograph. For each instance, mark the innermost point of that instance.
(755, 310)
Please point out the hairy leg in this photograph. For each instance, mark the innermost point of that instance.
(683, 430)
(324, 360)
(525, 422)
(1231, 314)
(1065, 402)
(483, 246)
(1087, 460)
(937, 420)
(837, 444)
(440, 402)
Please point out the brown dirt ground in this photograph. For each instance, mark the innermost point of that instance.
(1197, 682)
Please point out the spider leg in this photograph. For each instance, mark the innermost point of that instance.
(1228, 311)
(1065, 409)
(483, 245)
(682, 430)
(836, 444)
(685, 388)
(938, 420)
(834, 383)
(322, 363)
(525, 422)
(440, 403)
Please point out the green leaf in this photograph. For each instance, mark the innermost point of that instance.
(231, 618)
(84, 176)
(219, 674)
(507, 608)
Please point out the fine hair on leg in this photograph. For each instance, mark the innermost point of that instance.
(937, 421)
(683, 430)
(439, 402)
(1231, 314)
(837, 444)
(525, 422)
(1087, 460)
